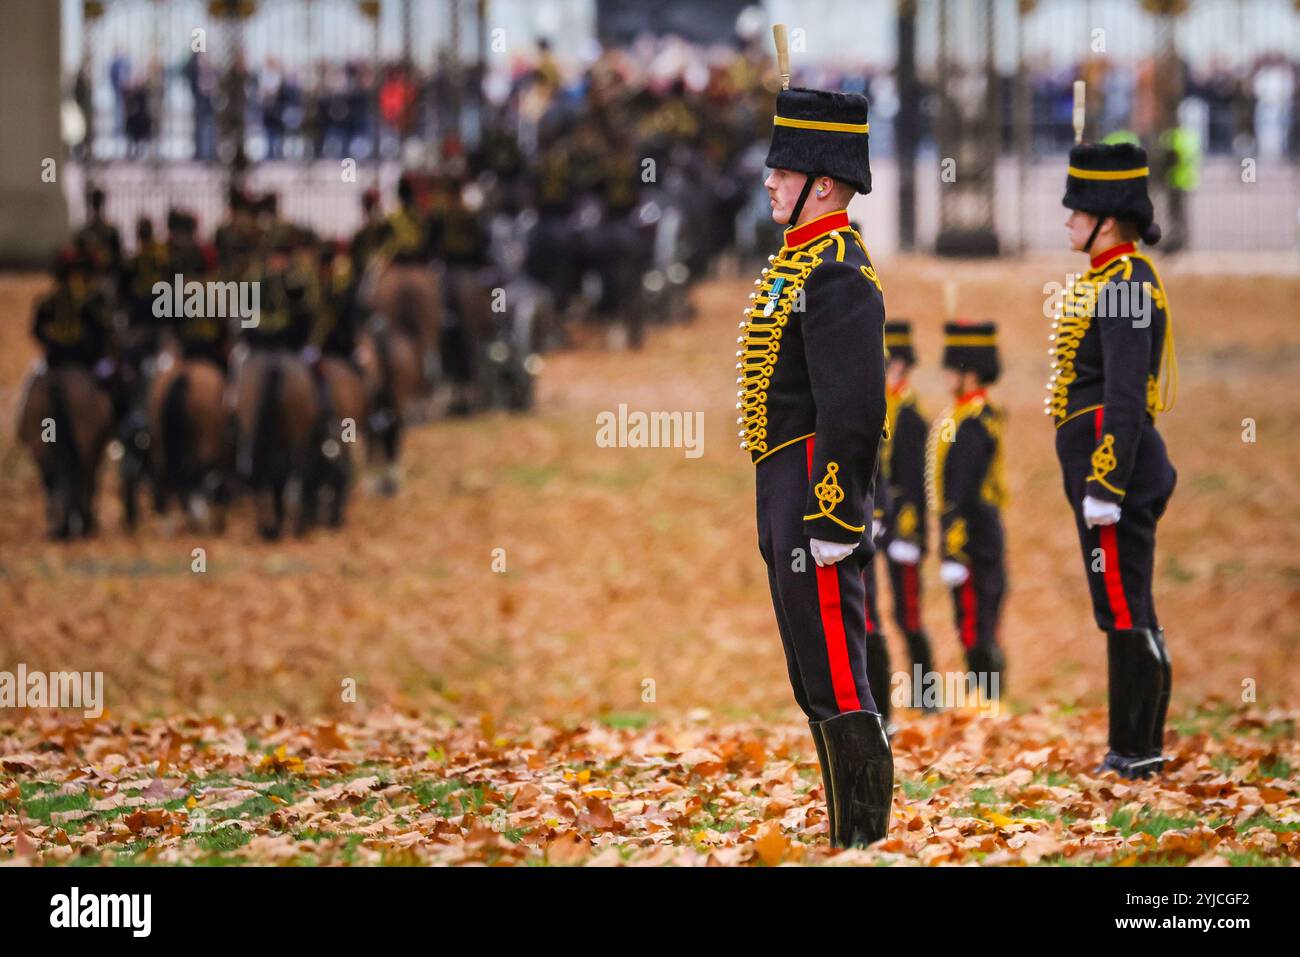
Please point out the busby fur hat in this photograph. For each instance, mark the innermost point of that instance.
(898, 340)
(972, 346)
(1111, 180)
(822, 134)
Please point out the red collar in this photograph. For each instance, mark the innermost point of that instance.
(1123, 249)
(800, 235)
(970, 397)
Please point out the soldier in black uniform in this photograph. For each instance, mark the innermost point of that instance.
(903, 464)
(199, 336)
(100, 243)
(550, 259)
(1113, 371)
(141, 272)
(286, 309)
(878, 669)
(338, 314)
(459, 239)
(236, 238)
(184, 253)
(409, 239)
(73, 323)
(372, 236)
(142, 336)
(812, 401)
(969, 492)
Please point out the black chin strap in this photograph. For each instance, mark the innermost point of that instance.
(803, 197)
(1087, 247)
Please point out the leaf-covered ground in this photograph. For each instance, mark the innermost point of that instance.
(970, 789)
(415, 683)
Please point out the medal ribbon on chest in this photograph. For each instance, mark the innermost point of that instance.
(774, 296)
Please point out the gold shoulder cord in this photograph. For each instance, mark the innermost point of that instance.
(870, 273)
(994, 489)
(1162, 394)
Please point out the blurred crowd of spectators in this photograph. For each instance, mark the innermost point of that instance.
(195, 110)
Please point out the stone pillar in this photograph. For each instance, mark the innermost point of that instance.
(33, 212)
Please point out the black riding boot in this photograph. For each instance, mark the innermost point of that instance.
(878, 674)
(819, 739)
(918, 648)
(1162, 708)
(987, 660)
(862, 774)
(1136, 683)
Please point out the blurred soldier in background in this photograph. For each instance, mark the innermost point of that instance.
(370, 238)
(99, 240)
(903, 465)
(73, 323)
(966, 474)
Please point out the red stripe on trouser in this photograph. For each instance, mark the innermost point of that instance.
(1114, 582)
(1110, 555)
(968, 613)
(910, 611)
(837, 642)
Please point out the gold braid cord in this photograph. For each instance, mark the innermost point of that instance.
(907, 521)
(1104, 462)
(1071, 323)
(1073, 320)
(829, 494)
(762, 331)
(936, 450)
(955, 541)
(761, 342)
(994, 489)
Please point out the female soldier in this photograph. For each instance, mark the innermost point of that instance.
(1113, 370)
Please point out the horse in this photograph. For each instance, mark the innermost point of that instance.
(390, 370)
(617, 249)
(411, 297)
(191, 458)
(528, 326)
(465, 339)
(276, 410)
(66, 421)
(342, 421)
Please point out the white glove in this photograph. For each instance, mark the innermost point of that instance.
(903, 553)
(1097, 512)
(828, 553)
(877, 529)
(954, 574)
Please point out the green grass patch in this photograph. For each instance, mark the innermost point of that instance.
(620, 720)
(1281, 768)
(920, 790)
